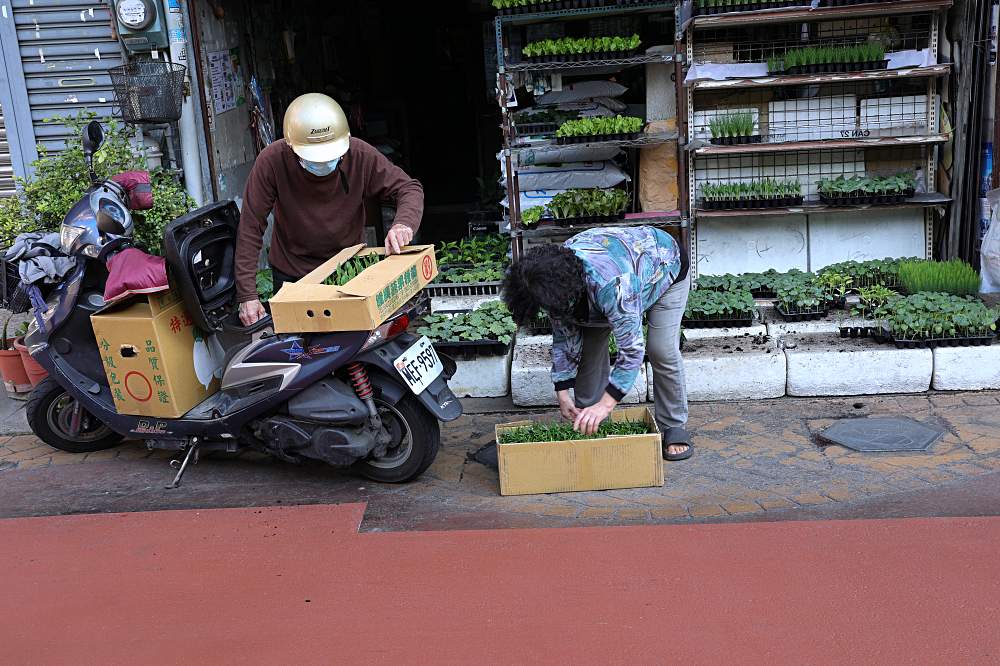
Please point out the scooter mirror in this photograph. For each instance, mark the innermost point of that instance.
(93, 137)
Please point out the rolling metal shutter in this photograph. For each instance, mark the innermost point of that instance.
(64, 49)
(6, 165)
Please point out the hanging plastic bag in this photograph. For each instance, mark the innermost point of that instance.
(990, 252)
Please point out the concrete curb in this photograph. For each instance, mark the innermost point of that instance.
(817, 367)
(483, 377)
(715, 371)
(966, 368)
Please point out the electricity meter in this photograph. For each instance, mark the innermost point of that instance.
(142, 25)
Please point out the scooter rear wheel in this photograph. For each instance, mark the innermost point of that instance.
(416, 436)
(58, 420)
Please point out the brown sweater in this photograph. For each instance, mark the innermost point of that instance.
(315, 217)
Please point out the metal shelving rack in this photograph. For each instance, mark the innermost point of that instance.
(507, 71)
(730, 38)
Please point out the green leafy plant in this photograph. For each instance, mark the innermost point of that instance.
(488, 322)
(60, 179)
(589, 202)
(710, 304)
(265, 284)
(867, 53)
(561, 432)
(873, 272)
(531, 216)
(842, 186)
(474, 250)
(834, 284)
(797, 297)
(487, 272)
(8, 342)
(949, 277)
(600, 126)
(758, 190)
(580, 45)
(928, 316)
(351, 269)
(875, 301)
(732, 124)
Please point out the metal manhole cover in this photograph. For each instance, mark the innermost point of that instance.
(882, 435)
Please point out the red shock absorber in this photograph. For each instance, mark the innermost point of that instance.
(359, 377)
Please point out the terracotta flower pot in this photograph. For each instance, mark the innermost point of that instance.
(15, 379)
(36, 373)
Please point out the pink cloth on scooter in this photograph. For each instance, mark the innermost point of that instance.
(131, 272)
(139, 188)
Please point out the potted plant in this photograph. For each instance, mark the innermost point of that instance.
(15, 378)
(947, 277)
(830, 59)
(873, 306)
(588, 206)
(36, 373)
(735, 127)
(485, 331)
(836, 287)
(932, 320)
(866, 190)
(765, 193)
(531, 216)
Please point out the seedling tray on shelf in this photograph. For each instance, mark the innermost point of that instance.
(462, 289)
(743, 204)
(582, 57)
(809, 315)
(984, 341)
(586, 219)
(837, 68)
(864, 199)
(733, 322)
(530, 129)
(468, 349)
(736, 140)
(540, 7)
(748, 7)
(597, 138)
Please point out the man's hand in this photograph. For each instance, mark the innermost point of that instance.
(567, 407)
(588, 420)
(251, 312)
(399, 236)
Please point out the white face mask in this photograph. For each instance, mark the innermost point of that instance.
(320, 168)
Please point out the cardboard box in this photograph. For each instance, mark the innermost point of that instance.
(631, 461)
(156, 361)
(309, 306)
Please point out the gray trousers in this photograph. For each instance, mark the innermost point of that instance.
(663, 349)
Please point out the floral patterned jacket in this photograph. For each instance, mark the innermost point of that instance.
(628, 270)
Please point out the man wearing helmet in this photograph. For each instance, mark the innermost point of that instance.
(316, 181)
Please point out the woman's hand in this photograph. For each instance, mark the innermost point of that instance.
(567, 407)
(588, 420)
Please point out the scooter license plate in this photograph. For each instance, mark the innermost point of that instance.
(419, 365)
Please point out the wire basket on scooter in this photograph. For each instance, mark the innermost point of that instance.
(149, 92)
(13, 293)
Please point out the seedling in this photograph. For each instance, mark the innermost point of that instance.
(732, 127)
(265, 284)
(475, 250)
(599, 126)
(560, 432)
(351, 269)
(590, 202)
(572, 46)
(489, 322)
(531, 216)
(949, 277)
(706, 304)
(930, 316)
(488, 272)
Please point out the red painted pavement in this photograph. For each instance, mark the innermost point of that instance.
(230, 586)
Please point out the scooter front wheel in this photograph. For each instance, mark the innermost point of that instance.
(58, 419)
(415, 436)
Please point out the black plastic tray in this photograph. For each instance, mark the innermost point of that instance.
(800, 316)
(862, 332)
(556, 6)
(747, 7)
(864, 199)
(742, 204)
(467, 349)
(737, 140)
(597, 138)
(576, 221)
(837, 68)
(740, 322)
(943, 342)
(582, 57)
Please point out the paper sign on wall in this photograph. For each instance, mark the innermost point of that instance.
(226, 80)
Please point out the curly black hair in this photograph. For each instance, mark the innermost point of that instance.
(548, 277)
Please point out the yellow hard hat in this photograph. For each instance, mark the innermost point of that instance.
(316, 128)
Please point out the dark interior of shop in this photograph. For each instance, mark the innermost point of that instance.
(413, 82)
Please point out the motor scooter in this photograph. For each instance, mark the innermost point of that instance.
(367, 399)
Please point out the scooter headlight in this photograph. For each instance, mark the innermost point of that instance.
(68, 236)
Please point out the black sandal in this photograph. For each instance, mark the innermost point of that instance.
(677, 437)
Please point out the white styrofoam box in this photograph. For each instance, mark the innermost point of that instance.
(734, 332)
(482, 377)
(871, 234)
(714, 372)
(966, 368)
(778, 328)
(812, 118)
(822, 365)
(751, 244)
(904, 115)
(531, 378)
(526, 339)
(452, 303)
(701, 128)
